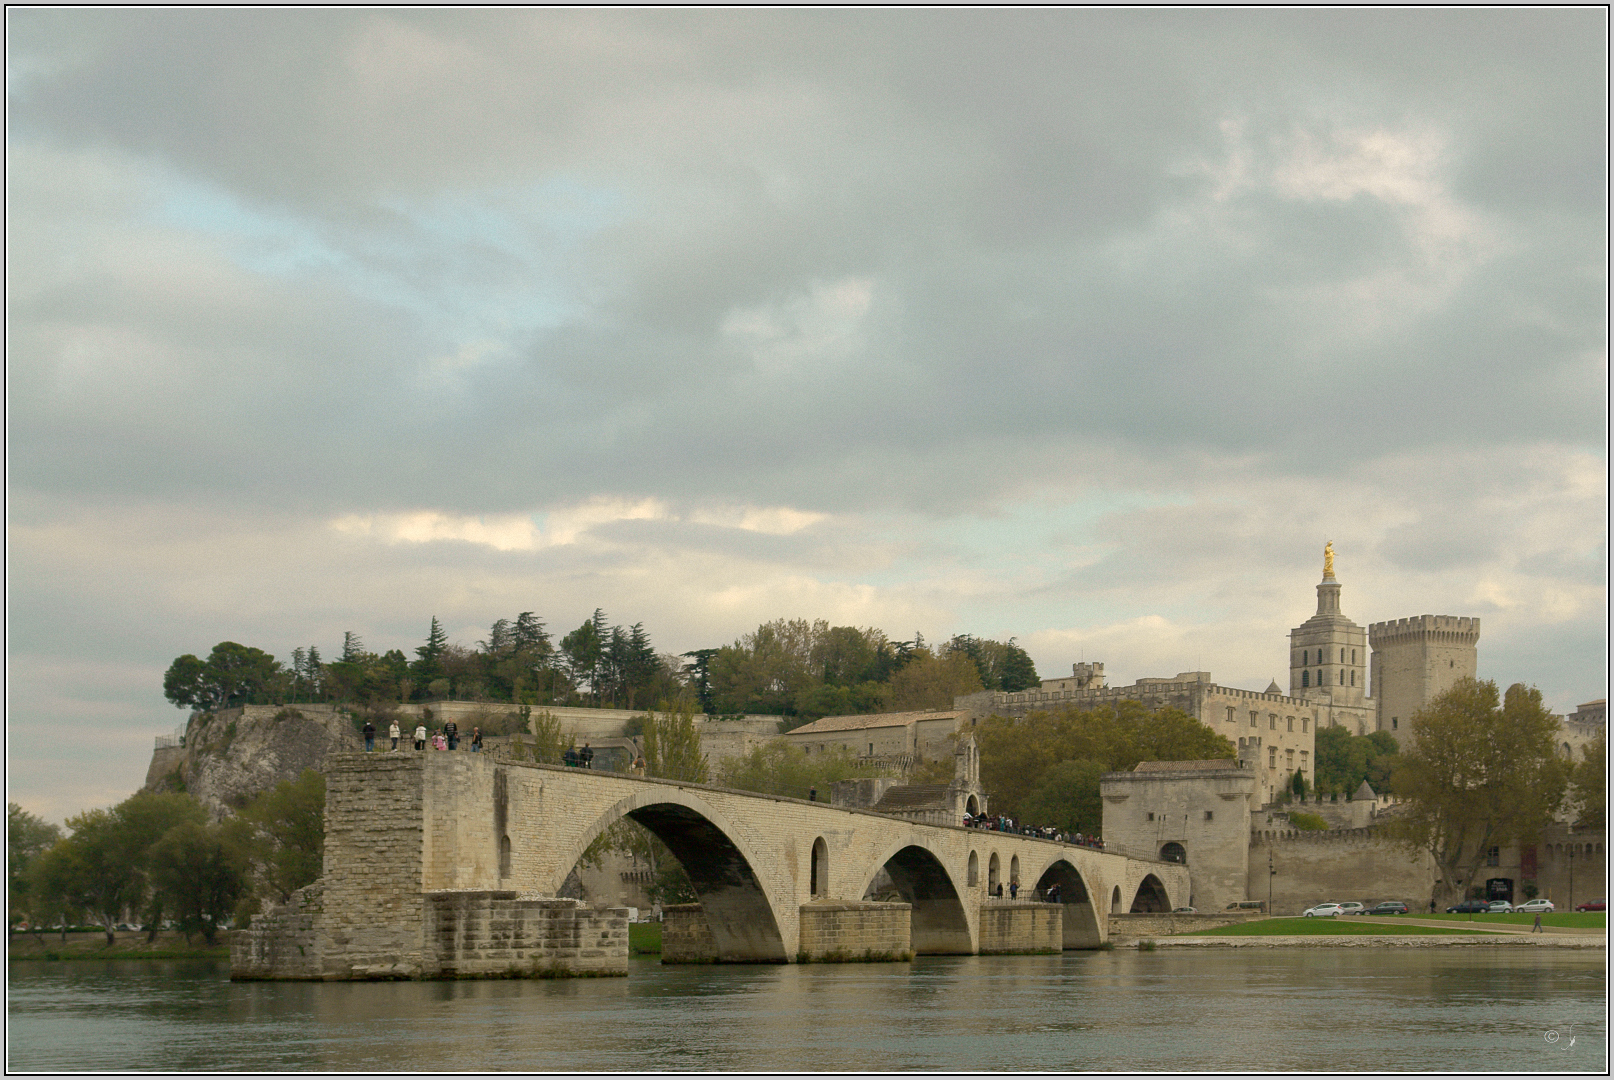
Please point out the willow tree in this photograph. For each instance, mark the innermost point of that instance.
(1480, 773)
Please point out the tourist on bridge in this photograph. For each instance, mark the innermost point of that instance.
(476, 740)
(420, 736)
(369, 736)
(439, 742)
(393, 731)
(1014, 890)
(451, 731)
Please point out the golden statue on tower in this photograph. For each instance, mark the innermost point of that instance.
(1328, 559)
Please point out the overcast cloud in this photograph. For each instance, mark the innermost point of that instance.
(1085, 327)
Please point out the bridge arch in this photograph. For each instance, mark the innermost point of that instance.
(938, 924)
(719, 863)
(1080, 916)
(1151, 896)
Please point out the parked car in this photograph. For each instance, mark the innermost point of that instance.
(1468, 906)
(1389, 907)
(1185, 911)
(1592, 905)
(1351, 907)
(1321, 911)
(1535, 905)
(1500, 906)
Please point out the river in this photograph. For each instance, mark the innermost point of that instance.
(1311, 1009)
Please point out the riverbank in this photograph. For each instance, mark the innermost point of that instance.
(169, 945)
(1369, 941)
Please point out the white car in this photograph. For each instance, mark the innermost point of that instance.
(1322, 911)
(1501, 906)
(1535, 905)
(1351, 907)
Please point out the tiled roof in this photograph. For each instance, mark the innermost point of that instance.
(1186, 766)
(870, 720)
(913, 797)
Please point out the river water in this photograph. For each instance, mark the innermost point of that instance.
(1310, 1009)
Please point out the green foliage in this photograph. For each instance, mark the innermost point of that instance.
(1066, 796)
(1001, 665)
(1307, 822)
(549, 742)
(27, 838)
(1587, 779)
(931, 681)
(200, 873)
(1478, 774)
(1345, 760)
(231, 675)
(1015, 754)
(281, 835)
(776, 768)
(672, 747)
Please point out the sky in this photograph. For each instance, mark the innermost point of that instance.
(1082, 327)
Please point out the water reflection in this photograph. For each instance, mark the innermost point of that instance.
(1310, 1009)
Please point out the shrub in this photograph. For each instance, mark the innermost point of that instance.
(1308, 822)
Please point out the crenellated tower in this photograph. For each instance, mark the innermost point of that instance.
(1417, 659)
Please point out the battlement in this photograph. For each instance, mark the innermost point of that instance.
(1382, 633)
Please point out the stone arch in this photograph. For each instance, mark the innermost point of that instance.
(1080, 915)
(938, 923)
(819, 878)
(1151, 896)
(972, 807)
(738, 909)
(1115, 899)
(994, 873)
(1171, 851)
(975, 870)
(1014, 869)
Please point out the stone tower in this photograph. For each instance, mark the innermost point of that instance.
(1328, 652)
(1416, 659)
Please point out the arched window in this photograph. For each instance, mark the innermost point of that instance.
(1014, 870)
(504, 856)
(975, 869)
(1342, 656)
(1173, 852)
(1353, 656)
(1319, 677)
(1305, 657)
(992, 866)
(1342, 676)
(973, 807)
(820, 880)
(1305, 678)
(1353, 678)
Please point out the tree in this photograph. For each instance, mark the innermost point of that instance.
(1066, 796)
(27, 838)
(97, 870)
(932, 682)
(777, 768)
(1477, 775)
(200, 875)
(284, 836)
(231, 675)
(1345, 760)
(672, 747)
(352, 647)
(428, 667)
(144, 818)
(583, 650)
(700, 675)
(1586, 780)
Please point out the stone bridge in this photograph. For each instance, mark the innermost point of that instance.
(412, 839)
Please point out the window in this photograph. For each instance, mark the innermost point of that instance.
(871, 749)
(1230, 714)
(1272, 757)
(975, 869)
(1305, 724)
(1305, 678)
(1209, 815)
(1342, 656)
(1493, 857)
(1353, 678)
(1272, 721)
(1289, 760)
(1305, 658)
(1319, 677)
(1303, 755)
(1291, 722)
(1342, 676)
(1151, 816)
(1253, 715)
(1395, 722)
(820, 876)
(1353, 656)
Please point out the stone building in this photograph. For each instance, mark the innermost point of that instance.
(1328, 660)
(900, 739)
(1414, 661)
(932, 804)
(1191, 812)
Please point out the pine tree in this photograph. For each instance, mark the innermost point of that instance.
(352, 648)
(529, 636)
(499, 640)
(429, 666)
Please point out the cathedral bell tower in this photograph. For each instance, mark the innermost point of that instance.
(1328, 652)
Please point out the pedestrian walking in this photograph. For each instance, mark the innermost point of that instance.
(420, 736)
(1014, 890)
(1536, 929)
(394, 733)
(369, 736)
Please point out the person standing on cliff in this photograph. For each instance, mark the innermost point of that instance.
(393, 731)
(369, 736)
(420, 736)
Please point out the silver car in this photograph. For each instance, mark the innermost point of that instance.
(1500, 906)
(1322, 911)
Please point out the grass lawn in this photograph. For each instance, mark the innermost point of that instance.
(644, 937)
(1317, 927)
(1582, 919)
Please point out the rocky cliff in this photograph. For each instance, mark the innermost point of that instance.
(229, 756)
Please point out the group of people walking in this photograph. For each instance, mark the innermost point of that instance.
(446, 737)
(1046, 832)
